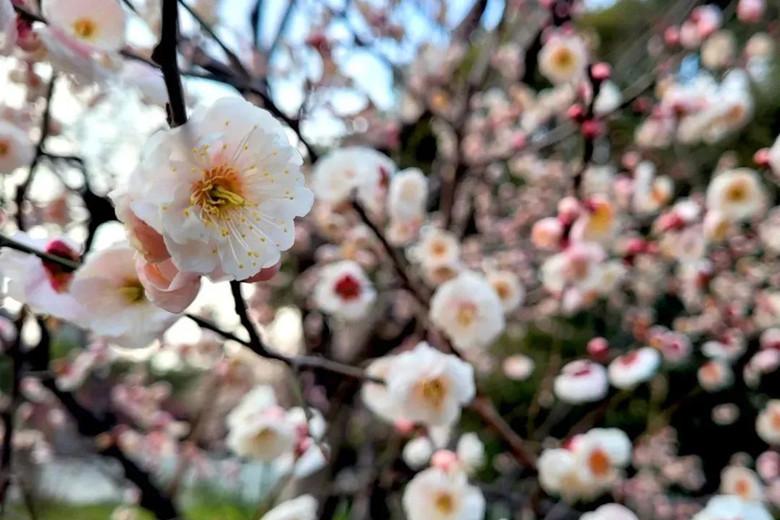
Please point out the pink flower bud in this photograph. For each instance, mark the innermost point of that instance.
(601, 71)
(445, 460)
(598, 348)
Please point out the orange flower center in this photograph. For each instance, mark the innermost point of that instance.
(737, 192)
(466, 314)
(599, 463)
(444, 503)
(742, 488)
(85, 28)
(4, 148)
(218, 192)
(433, 391)
(563, 58)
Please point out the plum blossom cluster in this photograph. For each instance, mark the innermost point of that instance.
(530, 270)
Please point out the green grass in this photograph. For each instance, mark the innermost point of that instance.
(56, 511)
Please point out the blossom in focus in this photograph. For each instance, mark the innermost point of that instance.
(43, 285)
(115, 302)
(303, 507)
(428, 386)
(258, 428)
(166, 286)
(736, 194)
(223, 190)
(729, 507)
(363, 171)
(468, 310)
(768, 423)
(435, 493)
(98, 24)
(633, 368)
(16, 148)
(581, 381)
(563, 58)
(344, 290)
(610, 512)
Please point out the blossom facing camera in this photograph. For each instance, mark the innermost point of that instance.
(428, 386)
(736, 194)
(258, 428)
(95, 24)
(563, 58)
(223, 191)
(344, 290)
(768, 423)
(468, 311)
(435, 493)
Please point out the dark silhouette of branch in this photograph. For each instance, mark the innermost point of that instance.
(400, 266)
(8, 416)
(21, 191)
(165, 55)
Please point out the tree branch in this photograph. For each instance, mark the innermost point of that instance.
(165, 55)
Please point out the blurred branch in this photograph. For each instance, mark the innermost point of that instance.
(234, 60)
(45, 127)
(285, 21)
(16, 358)
(486, 410)
(399, 263)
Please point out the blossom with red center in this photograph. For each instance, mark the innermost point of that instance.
(344, 291)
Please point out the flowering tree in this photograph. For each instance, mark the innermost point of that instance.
(405, 259)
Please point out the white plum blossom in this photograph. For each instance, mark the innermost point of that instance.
(43, 285)
(258, 427)
(359, 170)
(508, 288)
(730, 507)
(223, 190)
(610, 512)
(742, 482)
(428, 386)
(715, 375)
(344, 290)
(95, 24)
(441, 495)
(589, 465)
(375, 396)
(115, 303)
(468, 310)
(563, 58)
(736, 194)
(407, 195)
(16, 148)
(303, 507)
(581, 381)
(629, 370)
(768, 423)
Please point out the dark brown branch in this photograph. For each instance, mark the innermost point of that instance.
(165, 55)
(295, 362)
(399, 264)
(66, 263)
(21, 191)
(16, 358)
(487, 412)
